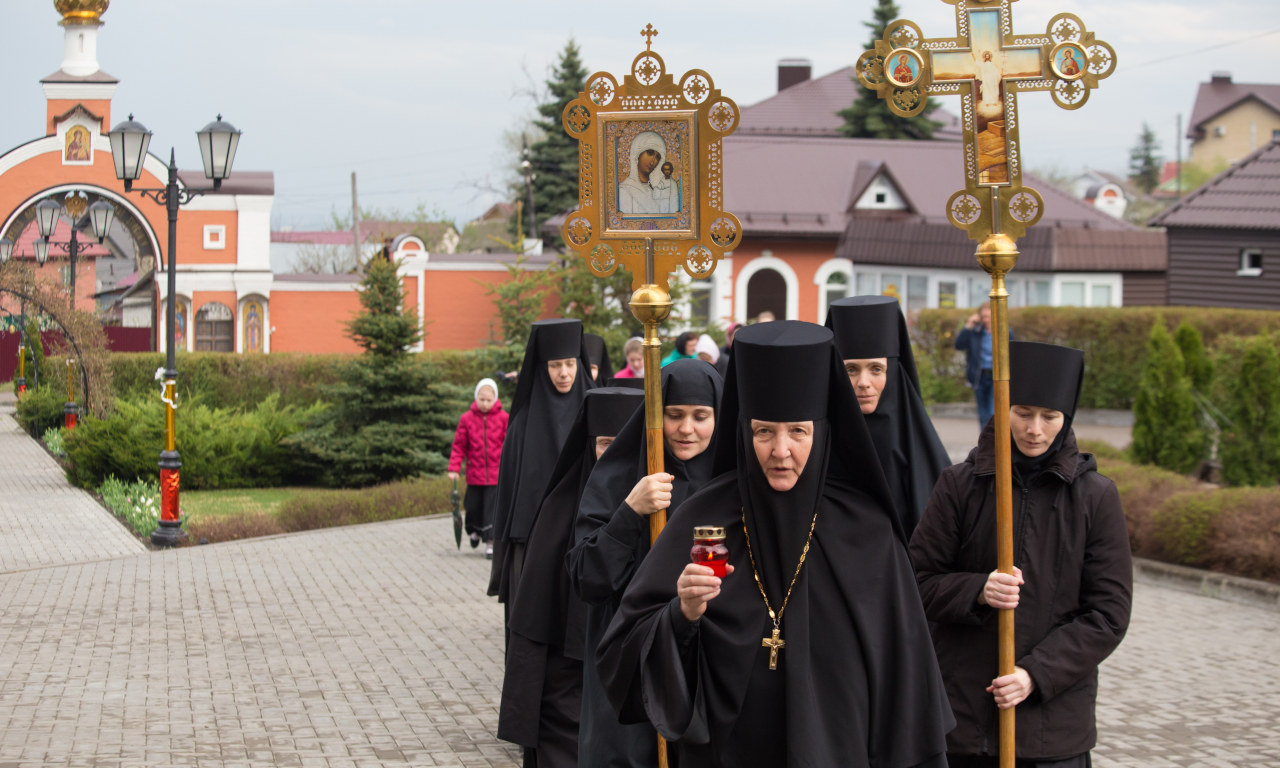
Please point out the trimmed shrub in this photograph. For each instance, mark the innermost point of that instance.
(1166, 428)
(392, 501)
(244, 525)
(220, 448)
(1249, 448)
(41, 409)
(1142, 490)
(1183, 524)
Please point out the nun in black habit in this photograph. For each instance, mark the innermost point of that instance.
(598, 358)
(845, 676)
(871, 336)
(542, 692)
(1072, 586)
(554, 377)
(613, 538)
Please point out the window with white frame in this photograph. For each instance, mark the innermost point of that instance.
(868, 284)
(700, 303)
(215, 237)
(1250, 263)
(836, 287)
(1071, 293)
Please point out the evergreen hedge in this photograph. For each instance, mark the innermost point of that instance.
(1114, 342)
(1167, 430)
(1249, 389)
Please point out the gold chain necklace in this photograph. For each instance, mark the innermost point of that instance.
(776, 643)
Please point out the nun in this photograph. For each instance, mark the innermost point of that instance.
(871, 335)
(612, 534)
(812, 650)
(554, 377)
(542, 692)
(1072, 583)
(598, 358)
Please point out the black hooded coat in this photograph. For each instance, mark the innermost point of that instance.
(856, 683)
(1071, 543)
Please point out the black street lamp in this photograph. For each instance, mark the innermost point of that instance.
(218, 143)
(99, 215)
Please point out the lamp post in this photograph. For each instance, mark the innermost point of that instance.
(6, 253)
(218, 143)
(99, 215)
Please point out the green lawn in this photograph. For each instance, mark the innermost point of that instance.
(236, 500)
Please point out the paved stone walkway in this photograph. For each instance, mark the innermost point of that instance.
(43, 520)
(374, 645)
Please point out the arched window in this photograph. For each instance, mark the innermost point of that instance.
(215, 328)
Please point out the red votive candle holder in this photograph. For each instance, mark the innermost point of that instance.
(709, 548)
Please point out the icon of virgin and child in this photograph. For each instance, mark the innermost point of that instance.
(649, 187)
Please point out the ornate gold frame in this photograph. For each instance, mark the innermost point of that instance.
(649, 95)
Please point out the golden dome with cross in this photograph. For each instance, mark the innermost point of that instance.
(81, 11)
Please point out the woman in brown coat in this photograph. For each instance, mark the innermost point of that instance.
(1072, 586)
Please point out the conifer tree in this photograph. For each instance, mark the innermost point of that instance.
(1250, 446)
(555, 156)
(1198, 367)
(1144, 163)
(1166, 431)
(870, 117)
(390, 417)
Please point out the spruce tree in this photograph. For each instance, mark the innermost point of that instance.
(1250, 446)
(870, 117)
(1166, 430)
(1144, 163)
(554, 157)
(390, 417)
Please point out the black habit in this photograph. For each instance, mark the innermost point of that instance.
(906, 443)
(598, 355)
(539, 423)
(542, 691)
(856, 683)
(612, 540)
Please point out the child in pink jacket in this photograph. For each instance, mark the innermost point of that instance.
(478, 442)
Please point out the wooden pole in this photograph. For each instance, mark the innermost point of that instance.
(651, 304)
(355, 220)
(997, 254)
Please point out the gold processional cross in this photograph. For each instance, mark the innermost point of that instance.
(987, 66)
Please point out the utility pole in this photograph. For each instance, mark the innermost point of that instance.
(1177, 142)
(355, 217)
(526, 165)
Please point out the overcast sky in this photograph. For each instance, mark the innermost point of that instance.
(415, 95)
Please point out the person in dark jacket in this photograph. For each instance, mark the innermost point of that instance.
(1072, 585)
(974, 340)
(478, 443)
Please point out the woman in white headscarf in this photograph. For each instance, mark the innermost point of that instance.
(636, 192)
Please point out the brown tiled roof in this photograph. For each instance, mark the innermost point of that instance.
(1220, 94)
(1245, 196)
(236, 183)
(1042, 249)
(803, 187)
(809, 109)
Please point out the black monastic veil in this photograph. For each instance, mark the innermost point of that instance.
(541, 693)
(910, 452)
(612, 540)
(857, 683)
(539, 423)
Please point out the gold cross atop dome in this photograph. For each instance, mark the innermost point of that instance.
(987, 66)
(81, 11)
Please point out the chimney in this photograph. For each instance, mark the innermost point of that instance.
(792, 72)
(1220, 78)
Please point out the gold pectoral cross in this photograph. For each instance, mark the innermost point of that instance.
(774, 644)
